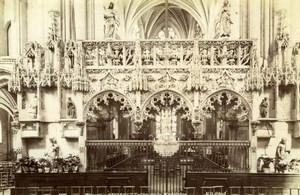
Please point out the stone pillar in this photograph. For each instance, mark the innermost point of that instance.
(90, 19)
(23, 24)
(99, 20)
(296, 113)
(66, 8)
(17, 139)
(254, 19)
(265, 28)
(244, 19)
(80, 16)
(297, 87)
(81, 144)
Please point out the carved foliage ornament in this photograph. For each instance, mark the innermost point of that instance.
(97, 109)
(166, 98)
(239, 106)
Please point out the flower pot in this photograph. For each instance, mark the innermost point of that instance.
(74, 169)
(32, 169)
(266, 170)
(60, 169)
(66, 168)
(25, 169)
(54, 170)
(40, 170)
(47, 169)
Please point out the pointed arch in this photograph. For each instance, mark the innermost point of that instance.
(8, 103)
(164, 97)
(240, 104)
(104, 97)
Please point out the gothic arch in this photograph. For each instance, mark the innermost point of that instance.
(240, 104)
(5, 75)
(166, 97)
(103, 97)
(7, 102)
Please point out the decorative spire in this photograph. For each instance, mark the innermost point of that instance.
(282, 37)
(53, 34)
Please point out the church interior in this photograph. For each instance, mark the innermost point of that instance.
(149, 97)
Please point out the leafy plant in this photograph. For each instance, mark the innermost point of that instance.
(57, 162)
(43, 162)
(267, 161)
(27, 161)
(73, 160)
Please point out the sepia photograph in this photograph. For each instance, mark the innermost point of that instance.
(149, 97)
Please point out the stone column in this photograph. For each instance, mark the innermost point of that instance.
(81, 144)
(17, 139)
(80, 16)
(296, 113)
(254, 12)
(90, 19)
(99, 20)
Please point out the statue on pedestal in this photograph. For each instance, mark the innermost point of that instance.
(111, 22)
(281, 163)
(264, 106)
(223, 25)
(53, 150)
(32, 110)
(71, 108)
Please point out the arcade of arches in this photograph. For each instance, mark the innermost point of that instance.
(109, 119)
(170, 92)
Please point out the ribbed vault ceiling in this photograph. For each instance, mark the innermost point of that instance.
(183, 15)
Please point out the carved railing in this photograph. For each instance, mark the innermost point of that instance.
(133, 155)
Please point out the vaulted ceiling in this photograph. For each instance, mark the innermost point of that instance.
(183, 16)
(179, 20)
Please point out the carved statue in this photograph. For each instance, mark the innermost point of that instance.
(71, 108)
(53, 150)
(198, 32)
(223, 25)
(33, 107)
(281, 163)
(111, 22)
(264, 106)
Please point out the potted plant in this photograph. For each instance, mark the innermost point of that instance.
(28, 164)
(43, 165)
(266, 166)
(73, 162)
(23, 164)
(57, 164)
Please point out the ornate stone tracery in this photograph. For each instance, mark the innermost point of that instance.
(102, 101)
(166, 98)
(225, 98)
